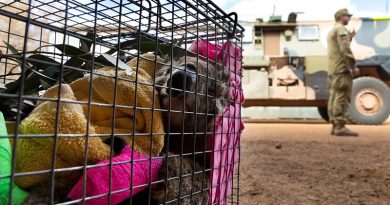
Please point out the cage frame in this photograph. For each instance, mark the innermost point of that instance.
(225, 29)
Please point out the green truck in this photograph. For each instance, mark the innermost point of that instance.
(286, 65)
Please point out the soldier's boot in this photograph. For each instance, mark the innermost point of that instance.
(341, 130)
(333, 128)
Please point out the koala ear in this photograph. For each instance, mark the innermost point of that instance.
(223, 73)
(166, 58)
(181, 60)
(226, 75)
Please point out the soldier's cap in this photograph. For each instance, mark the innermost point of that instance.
(340, 13)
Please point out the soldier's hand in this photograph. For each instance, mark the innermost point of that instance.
(356, 71)
(352, 33)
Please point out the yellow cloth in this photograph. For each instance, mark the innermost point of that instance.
(35, 154)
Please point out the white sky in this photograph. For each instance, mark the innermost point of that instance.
(249, 10)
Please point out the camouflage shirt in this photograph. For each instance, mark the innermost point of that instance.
(340, 56)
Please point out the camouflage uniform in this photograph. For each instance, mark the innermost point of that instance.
(341, 63)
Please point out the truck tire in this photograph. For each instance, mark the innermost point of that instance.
(370, 101)
(323, 111)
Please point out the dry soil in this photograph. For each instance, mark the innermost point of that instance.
(300, 163)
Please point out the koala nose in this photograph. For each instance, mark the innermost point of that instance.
(183, 80)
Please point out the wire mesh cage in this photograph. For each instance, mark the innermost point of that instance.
(119, 102)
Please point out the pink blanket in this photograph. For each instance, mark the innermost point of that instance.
(97, 178)
(226, 141)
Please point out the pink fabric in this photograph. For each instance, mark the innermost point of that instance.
(97, 178)
(225, 143)
(205, 49)
(228, 129)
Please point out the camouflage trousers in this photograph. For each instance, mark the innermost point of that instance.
(340, 86)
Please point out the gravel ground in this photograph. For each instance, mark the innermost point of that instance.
(299, 163)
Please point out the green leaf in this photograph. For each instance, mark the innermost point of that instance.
(165, 49)
(79, 61)
(75, 62)
(70, 50)
(29, 103)
(72, 76)
(85, 45)
(10, 47)
(2, 86)
(149, 45)
(51, 72)
(131, 44)
(180, 41)
(41, 75)
(124, 45)
(111, 60)
(42, 61)
(85, 62)
(31, 86)
(12, 86)
(32, 82)
(44, 84)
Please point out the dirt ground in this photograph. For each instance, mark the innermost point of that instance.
(301, 163)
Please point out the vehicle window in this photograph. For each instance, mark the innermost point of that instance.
(308, 33)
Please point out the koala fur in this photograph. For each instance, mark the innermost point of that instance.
(191, 186)
(200, 110)
(182, 170)
(201, 104)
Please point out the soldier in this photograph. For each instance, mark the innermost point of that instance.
(341, 70)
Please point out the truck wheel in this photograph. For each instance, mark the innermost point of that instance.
(323, 111)
(370, 101)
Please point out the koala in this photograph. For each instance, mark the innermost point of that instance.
(40, 195)
(191, 188)
(181, 182)
(193, 92)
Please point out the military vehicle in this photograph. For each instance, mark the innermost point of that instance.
(286, 65)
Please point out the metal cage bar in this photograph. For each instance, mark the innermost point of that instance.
(120, 102)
